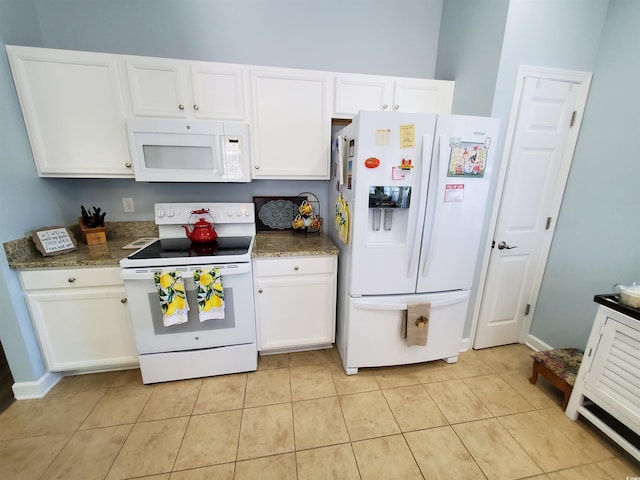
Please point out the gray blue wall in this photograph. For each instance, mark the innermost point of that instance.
(597, 240)
(26, 201)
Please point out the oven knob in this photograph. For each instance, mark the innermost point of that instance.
(160, 213)
(239, 213)
(170, 213)
(229, 213)
(247, 213)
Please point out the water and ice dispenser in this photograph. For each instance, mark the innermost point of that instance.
(387, 203)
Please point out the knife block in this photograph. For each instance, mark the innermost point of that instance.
(92, 236)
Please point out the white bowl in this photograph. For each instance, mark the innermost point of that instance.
(630, 296)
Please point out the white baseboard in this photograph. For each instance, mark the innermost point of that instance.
(532, 342)
(37, 389)
(537, 344)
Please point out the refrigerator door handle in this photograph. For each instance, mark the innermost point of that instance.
(430, 216)
(363, 304)
(415, 247)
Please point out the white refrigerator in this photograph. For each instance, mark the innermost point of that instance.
(411, 193)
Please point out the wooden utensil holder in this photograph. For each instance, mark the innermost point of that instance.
(92, 236)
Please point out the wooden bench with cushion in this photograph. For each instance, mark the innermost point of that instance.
(560, 367)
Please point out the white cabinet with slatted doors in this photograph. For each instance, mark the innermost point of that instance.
(81, 318)
(295, 302)
(607, 388)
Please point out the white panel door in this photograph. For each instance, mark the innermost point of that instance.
(537, 158)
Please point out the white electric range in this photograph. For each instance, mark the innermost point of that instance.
(194, 348)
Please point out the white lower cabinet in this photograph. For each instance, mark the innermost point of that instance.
(606, 390)
(295, 302)
(80, 317)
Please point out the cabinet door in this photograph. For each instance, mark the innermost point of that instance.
(158, 87)
(423, 96)
(362, 92)
(612, 381)
(84, 328)
(218, 91)
(295, 311)
(73, 110)
(291, 125)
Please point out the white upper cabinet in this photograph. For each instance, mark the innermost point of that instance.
(373, 92)
(291, 124)
(180, 89)
(73, 109)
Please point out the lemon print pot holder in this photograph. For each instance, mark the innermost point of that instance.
(173, 300)
(210, 294)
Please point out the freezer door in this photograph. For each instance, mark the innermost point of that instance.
(461, 172)
(373, 329)
(388, 162)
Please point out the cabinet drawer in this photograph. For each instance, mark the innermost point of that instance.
(70, 278)
(295, 265)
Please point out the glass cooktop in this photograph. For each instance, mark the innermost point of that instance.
(183, 247)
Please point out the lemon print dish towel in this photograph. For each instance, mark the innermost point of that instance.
(210, 294)
(173, 300)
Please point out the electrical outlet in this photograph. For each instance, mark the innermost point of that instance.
(127, 203)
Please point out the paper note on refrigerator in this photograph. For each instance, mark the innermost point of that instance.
(407, 136)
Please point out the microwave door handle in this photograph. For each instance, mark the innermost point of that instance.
(221, 159)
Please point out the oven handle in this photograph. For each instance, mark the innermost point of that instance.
(187, 270)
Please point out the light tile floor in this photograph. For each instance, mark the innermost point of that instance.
(300, 417)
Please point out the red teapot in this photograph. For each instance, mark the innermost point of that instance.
(201, 231)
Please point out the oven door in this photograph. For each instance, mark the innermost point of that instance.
(237, 326)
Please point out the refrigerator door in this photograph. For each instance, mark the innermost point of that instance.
(372, 332)
(388, 162)
(462, 167)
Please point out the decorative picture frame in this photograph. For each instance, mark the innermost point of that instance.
(53, 240)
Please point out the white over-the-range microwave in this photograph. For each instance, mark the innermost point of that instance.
(176, 150)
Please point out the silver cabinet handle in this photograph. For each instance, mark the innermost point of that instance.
(504, 246)
(123, 300)
(181, 107)
(296, 268)
(128, 165)
(260, 291)
(396, 107)
(196, 107)
(257, 167)
(71, 279)
(385, 106)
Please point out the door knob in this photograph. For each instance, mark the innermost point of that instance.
(504, 246)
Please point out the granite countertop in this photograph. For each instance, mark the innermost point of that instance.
(22, 253)
(288, 244)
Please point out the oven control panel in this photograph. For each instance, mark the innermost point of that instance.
(218, 213)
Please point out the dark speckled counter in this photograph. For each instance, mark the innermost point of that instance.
(287, 244)
(22, 253)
